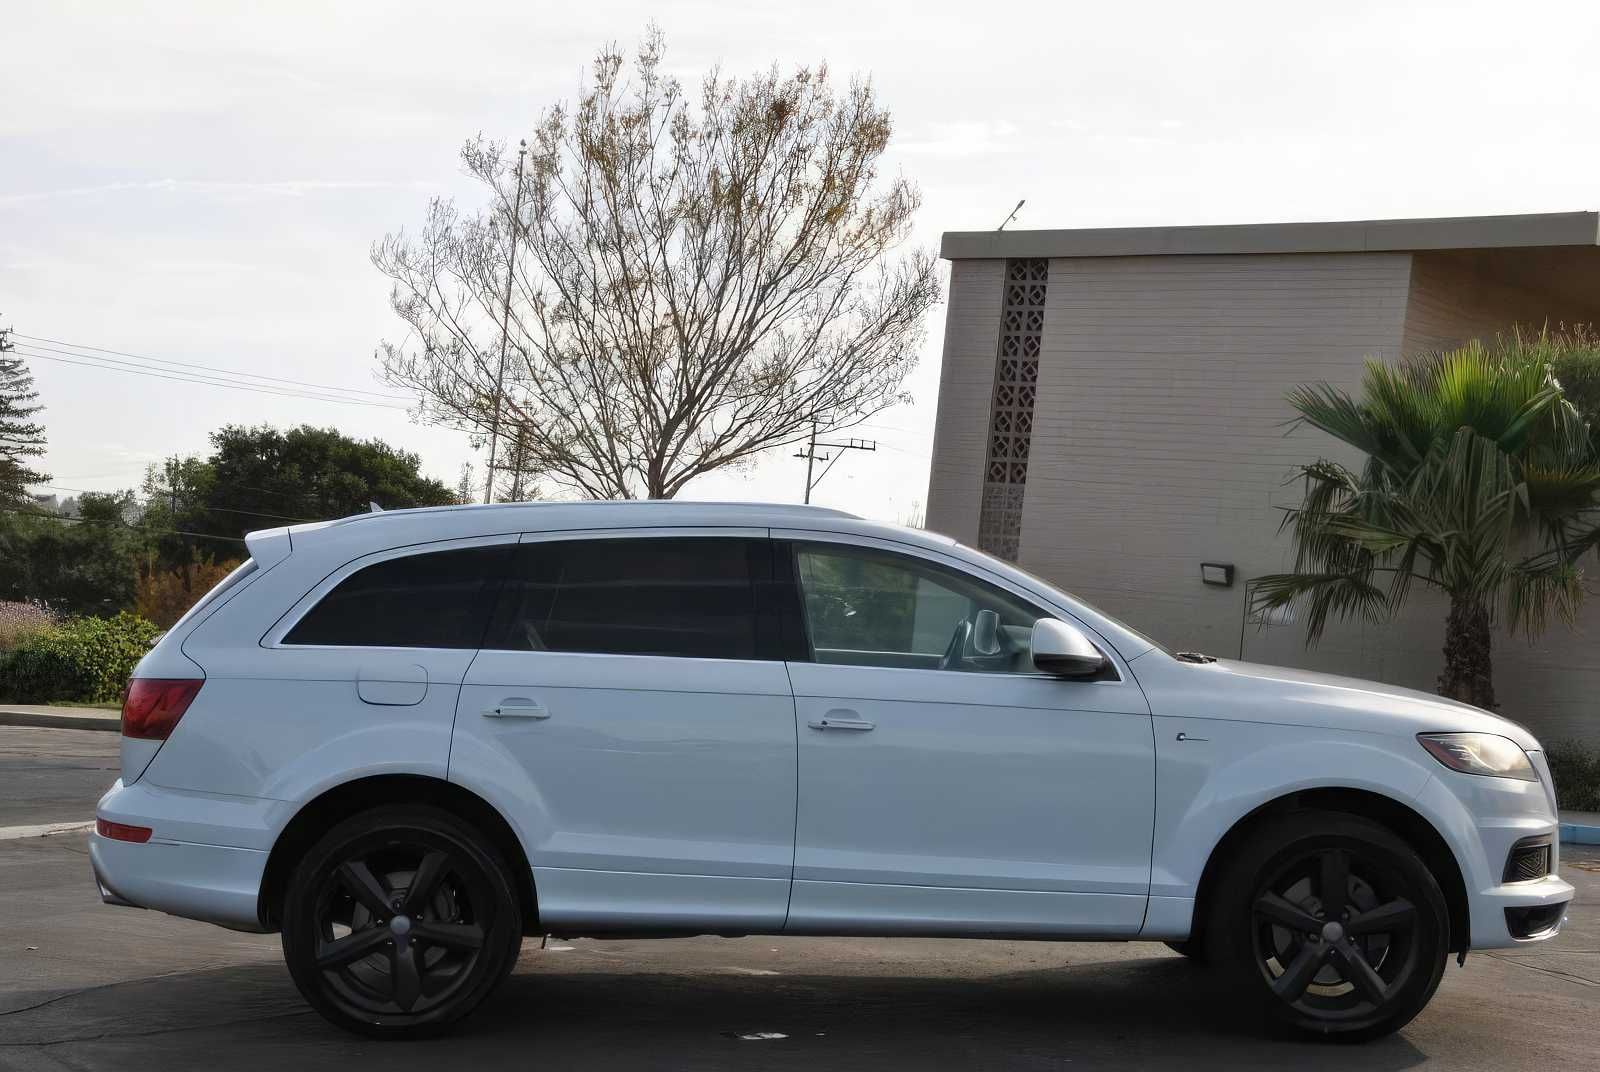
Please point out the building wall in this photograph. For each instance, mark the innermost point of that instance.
(966, 381)
(1552, 683)
(1450, 301)
(1160, 442)
(1160, 438)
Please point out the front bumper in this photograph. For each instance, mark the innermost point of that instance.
(1483, 819)
(214, 883)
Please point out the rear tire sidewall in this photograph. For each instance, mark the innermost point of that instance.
(1230, 938)
(502, 935)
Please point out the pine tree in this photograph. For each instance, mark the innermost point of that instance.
(466, 487)
(20, 437)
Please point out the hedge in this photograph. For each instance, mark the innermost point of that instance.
(1575, 768)
(83, 660)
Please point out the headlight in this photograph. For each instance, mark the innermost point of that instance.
(1479, 753)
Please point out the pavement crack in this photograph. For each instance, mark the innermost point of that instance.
(93, 989)
(1582, 980)
(156, 1031)
(59, 997)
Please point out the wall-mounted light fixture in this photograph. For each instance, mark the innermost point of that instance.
(1217, 573)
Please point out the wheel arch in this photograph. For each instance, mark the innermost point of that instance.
(317, 815)
(1404, 821)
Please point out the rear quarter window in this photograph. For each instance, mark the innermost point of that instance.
(438, 599)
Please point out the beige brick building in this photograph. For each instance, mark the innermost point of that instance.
(1111, 414)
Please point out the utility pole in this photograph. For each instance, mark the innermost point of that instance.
(505, 323)
(811, 457)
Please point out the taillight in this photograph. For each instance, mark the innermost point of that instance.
(153, 705)
(122, 831)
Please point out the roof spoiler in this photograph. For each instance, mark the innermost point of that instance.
(268, 546)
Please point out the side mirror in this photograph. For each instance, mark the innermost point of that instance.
(1062, 650)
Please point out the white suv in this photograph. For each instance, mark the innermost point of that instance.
(406, 740)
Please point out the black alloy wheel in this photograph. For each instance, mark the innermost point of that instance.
(399, 922)
(1334, 924)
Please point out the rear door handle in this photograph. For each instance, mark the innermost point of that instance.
(518, 707)
(841, 724)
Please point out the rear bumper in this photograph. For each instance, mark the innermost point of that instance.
(181, 870)
(213, 883)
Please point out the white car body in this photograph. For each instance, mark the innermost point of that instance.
(657, 795)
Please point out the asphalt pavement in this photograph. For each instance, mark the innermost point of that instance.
(85, 986)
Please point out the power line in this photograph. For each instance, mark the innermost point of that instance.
(130, 528)
(113, 365)
(208, 509)
(211, 368)
(812, 457)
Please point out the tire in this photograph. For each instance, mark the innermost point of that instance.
(1195, 951)
(1277, 929)
(375, 958)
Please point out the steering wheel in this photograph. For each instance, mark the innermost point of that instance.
(956, 650)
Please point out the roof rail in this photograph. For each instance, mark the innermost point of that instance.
(755, 508)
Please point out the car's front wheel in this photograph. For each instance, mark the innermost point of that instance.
(400, 921)
(1332, 924)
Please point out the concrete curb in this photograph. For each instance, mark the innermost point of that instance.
(1580, 828)
(88, 719)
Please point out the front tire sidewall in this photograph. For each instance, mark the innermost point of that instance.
(1230, 932)
(502, 937)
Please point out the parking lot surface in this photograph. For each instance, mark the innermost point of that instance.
(85, 986)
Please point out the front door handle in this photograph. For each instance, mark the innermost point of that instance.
(831, 723)
(518, 707)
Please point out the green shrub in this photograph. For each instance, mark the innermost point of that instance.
(84, 660)
(1576, 769)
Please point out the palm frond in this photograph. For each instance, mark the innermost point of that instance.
(1534, 593)
(1340, 595)
(1471, 457)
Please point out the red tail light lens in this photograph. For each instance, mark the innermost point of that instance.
(122, 831)
(153, 705)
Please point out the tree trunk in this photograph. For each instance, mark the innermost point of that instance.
(1468, 666)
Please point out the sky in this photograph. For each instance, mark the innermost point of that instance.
(200, 182)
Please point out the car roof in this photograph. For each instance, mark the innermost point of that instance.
(397, 528)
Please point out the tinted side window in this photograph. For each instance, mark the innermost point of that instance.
(690, 597)
(866, 607)
(441, 599)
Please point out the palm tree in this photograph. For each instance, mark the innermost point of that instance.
(1479, 481)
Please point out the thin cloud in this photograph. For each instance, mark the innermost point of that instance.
(283, 188)
(947, 139)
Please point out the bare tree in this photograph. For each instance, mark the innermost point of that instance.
(667, 287)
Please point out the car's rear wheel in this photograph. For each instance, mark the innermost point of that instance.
(400, 921)
(1331, 924)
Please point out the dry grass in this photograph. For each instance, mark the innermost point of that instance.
(18, 620)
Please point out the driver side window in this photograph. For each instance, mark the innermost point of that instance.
(865, 607)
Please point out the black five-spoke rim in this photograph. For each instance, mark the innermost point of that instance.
(400, 927)
(1334, 935)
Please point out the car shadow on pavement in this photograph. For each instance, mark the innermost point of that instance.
(561, 1013)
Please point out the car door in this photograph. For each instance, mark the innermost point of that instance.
(634, 721)
(945, 786)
